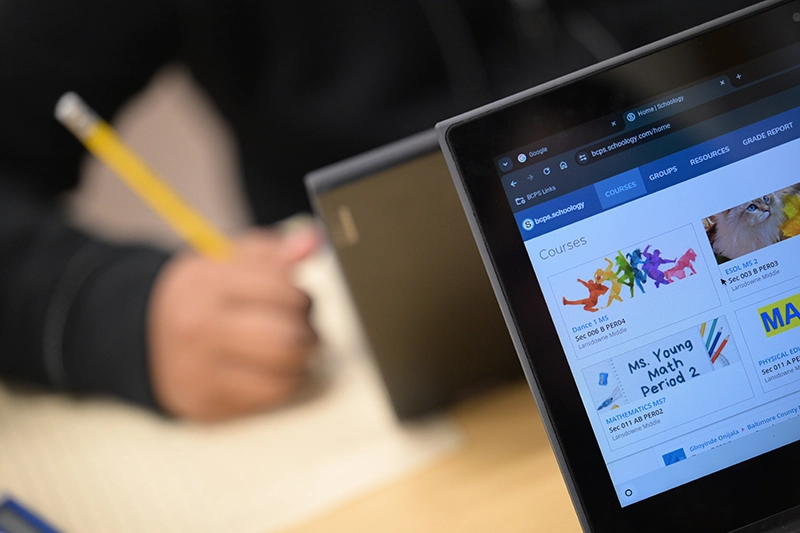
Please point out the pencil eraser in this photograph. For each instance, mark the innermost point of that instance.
(73, 113)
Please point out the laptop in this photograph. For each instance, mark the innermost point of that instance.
(651, 203)
(415, 275)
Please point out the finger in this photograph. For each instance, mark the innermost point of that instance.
(253, 285)
(260, 246)
(301, 242)
(266, 340)
(265, 247)
(239, 390)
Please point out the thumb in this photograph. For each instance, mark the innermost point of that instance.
(301, 242)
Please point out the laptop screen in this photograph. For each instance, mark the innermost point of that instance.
(662, 236)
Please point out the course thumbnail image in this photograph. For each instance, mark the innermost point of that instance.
(755, 224)
(657, 368)
(632, 270)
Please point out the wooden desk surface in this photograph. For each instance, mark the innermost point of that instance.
(505, 479)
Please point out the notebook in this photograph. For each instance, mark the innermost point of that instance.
(414, 274)
(651, 203)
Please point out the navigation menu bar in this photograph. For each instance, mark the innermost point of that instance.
(658, 175)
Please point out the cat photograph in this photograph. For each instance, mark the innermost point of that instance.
(750, 226)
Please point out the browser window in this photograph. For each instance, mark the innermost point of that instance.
(670, 274)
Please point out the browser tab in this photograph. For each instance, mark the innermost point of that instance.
(647, 110)
(679, 101)
(549, 148)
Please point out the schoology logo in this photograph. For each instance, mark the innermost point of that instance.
(631, 117)
(528, 224)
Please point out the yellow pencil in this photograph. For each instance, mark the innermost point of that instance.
(100, 139)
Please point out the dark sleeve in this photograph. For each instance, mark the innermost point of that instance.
(72, 308)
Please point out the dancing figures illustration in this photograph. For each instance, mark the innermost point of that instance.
(632, 270)
(652, 262)
(636, 260)
(609, 275)
(596, 290)
(679, 270)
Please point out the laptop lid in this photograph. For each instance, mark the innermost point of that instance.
(651, 202)
(415, 275)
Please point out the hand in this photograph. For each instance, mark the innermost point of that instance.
(228, 338)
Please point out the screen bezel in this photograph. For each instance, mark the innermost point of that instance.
(475, 142)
